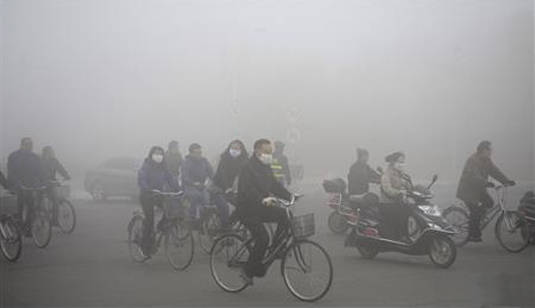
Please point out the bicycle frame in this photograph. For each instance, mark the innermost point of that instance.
(287, 238)
(500, 193)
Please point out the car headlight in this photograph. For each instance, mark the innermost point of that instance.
(431, 210)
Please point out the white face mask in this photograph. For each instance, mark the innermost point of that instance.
(266, 159)
(234, 153)
(157, 158)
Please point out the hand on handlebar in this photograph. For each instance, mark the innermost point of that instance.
(490, 185)
(269, 201)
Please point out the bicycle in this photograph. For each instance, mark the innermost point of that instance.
(60, 209)
(10, 238)
(172, 229)
(507, 223)
(230, 253)
(36, 220)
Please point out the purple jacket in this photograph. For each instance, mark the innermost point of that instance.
(155, 176)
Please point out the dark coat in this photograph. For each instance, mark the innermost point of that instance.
(283, 161)
(256, 183)
(24, 168)
(155, 176)
(359, 178)
(51, 166)
(196, 170)
(475, 177)
(228, 170)
(173, 162)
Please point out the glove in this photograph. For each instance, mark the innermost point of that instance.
(510, 183)
(269, 201)
(490, 185)
(228, 191)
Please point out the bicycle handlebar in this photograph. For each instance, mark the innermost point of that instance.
(285, 203)
(167, 194)
(38, 188)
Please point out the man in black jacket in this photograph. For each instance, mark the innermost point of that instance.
(256, 188)
(361, 174)
(24, 169)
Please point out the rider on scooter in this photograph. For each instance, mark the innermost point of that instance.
(394, 186)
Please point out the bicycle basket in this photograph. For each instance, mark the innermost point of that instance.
(303, 226)
(63, 191)
(174, 208)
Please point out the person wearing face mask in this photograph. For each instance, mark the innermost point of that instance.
(472, 189)
(256, 187)
(230, 164)
(394, 185)
(196, 170)
(24, 169)
(153, 175)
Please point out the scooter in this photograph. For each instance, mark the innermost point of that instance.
(429, 233)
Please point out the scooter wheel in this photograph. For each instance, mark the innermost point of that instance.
(367, 251)
(442, 251)
(337, 223)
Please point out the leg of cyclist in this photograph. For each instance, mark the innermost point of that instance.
(222, 208)
(474, 223)
(254, 266)
(147, 204)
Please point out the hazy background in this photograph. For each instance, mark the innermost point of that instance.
(432, 78)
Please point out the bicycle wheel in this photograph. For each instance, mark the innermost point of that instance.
(66, 216)
(458, 218)
(228, 256)
(307, 270)
(179, 246)
(510, 231)
(41, 228)
(135, 238)
(10, 240)
(210, 226)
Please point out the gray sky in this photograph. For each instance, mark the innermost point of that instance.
(432, 78)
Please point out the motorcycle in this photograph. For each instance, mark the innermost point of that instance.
(343, 205)
(429, 233)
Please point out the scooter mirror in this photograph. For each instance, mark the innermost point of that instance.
(435, 178)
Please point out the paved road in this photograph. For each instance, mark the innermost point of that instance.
(91, 267)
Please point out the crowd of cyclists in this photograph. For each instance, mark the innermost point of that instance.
(255, 181)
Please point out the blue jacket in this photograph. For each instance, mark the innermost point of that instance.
(155, 176)
(196, 170)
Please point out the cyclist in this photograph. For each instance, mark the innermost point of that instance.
(152, 176)
(280, 166)
(473, 183)
(257, 187)
(394, 185)
(24, 169)
(230, 164)
(196, 170)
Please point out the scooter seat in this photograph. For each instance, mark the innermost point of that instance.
(356, 198)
